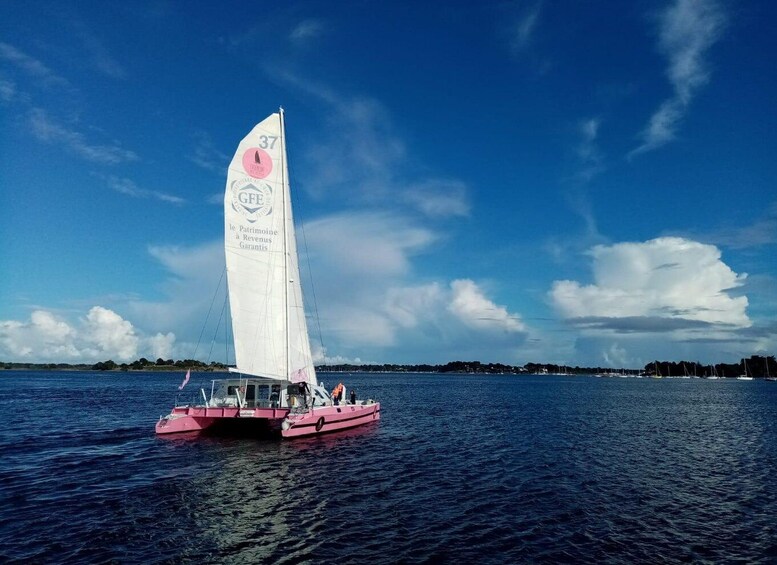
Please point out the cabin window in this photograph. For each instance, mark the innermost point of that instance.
(250, 396)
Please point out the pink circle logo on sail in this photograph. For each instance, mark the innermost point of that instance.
(257, 162)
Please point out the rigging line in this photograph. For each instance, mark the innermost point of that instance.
(213, 300)
(296, 202)
(207, 316)
(226, 331)
(221, 316)
(312, 286)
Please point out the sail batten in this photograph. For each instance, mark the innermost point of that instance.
(270, 336)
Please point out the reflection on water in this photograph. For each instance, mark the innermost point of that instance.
(459, 468)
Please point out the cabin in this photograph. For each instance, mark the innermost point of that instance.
(257, 392)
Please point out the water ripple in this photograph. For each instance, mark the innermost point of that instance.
(461, 468)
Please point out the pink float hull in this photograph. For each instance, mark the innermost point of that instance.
(197, 418)
(327, 419)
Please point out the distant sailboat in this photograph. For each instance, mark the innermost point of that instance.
(275, 385)
(745, 376)
(657, 374)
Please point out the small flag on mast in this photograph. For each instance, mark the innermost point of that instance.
(185, 379)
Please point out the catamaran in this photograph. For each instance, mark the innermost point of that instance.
(274, 384)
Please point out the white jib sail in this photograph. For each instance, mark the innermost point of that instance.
(265, 293)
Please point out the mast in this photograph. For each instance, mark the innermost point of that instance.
(286, 192)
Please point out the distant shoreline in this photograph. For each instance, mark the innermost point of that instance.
(89, 368)
(755, 366)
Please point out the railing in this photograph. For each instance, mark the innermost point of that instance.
(189, 398)
(231, 401)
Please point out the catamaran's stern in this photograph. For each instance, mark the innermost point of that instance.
(177, 422)
(229, 420)
(324, 419)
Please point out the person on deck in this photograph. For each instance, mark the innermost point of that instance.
(353, 396)
(303, 390)
(337, 394)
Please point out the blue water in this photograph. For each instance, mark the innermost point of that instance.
(461, 468)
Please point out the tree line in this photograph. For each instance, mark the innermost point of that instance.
(141, 364)
(756, 366)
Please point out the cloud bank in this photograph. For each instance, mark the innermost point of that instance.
(101, 335)
(369, 302)
(662, 284)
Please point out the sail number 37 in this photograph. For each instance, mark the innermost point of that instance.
(267, 141)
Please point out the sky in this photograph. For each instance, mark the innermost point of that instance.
(586, 183)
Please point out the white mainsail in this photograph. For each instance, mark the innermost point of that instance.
(265, 293)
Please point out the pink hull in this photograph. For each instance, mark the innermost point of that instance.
(331, 418)
(196, 418)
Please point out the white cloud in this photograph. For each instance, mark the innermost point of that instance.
(368, 303)
(321, 357)
(408, 306)
(368, 244)
(688, 28)
(616, 356)
(662, 125)
(128, 187)
(162, 345)
(588, 152)
(762, 231)
(98, 55)
(195, 278)
(44, 335)
(665, 283)
(352, 325)
(523, 29)
(307, 30)
(359, 132)
(356, 258)
(208, 157)
(452, 316)
(30, 65)
(7, 90)
(361, 135)
(439, 198)
(470, 306)
(110, 333)
(47, 130)
(102, 334)
(438, 322)
(589, 130)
